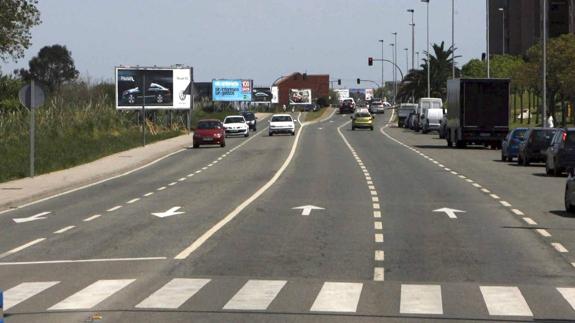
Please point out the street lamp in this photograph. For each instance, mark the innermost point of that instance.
(452, 39)
(503, 29)
(487, 38)
(412, 39)
(545, 12)
(417, 53)
(406, 58)
(382, 77)
(428, 62)
(394, 63)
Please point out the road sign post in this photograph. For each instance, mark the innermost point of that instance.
(32, 130)
(32, 96)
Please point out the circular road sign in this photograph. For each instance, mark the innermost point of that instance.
(26, 99)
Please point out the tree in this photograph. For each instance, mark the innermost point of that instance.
(53, 66)
(17, 17)
(475, 68)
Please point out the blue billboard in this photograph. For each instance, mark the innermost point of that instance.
(232, 90)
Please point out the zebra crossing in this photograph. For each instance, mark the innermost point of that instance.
(371, 298)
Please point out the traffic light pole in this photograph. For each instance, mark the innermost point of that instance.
(392, 63)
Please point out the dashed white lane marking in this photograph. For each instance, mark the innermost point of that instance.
(454, 172)
(529, 221)
(544, 233)
(569, 295)
(161, 188)
(375, 199)
(215, 162)
(182, 179)
(376, 206)
(337, 297)
(198, 171)
(378, 225)
(174, 294)
(421, 299)
(70, 227)
(379, 255)
(22, 247)
(379, 237)
(204, 168)
(255, 295)
(220, 158)
(210, 165)
(92, 295)
(93, 217)
(378, 274)
(117, 207)
(190, 175)
(149, 194)
(369, 182)
(559, 247)
(462, 176)
(377, 214)
(505, 203)
(469, 180)
(494, 196)
(371, 187)
(441, 165)
(368, 178)
(373, 193)
(476, 185)
(447, 169)
(172, 184)
(24, 291)
(484, 190)
(517, 212)
(502, 300)
(133, 200)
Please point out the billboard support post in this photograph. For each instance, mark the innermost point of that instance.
(144, 110)
(191, 100)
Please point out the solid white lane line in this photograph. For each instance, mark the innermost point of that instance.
(149, 194)
(24, 291)
(377, 214)
(173, 294)
(569, 295)
(494, 196)
(378, 274)
(22, 247)
(484, 190)
(505, 203)
(48, 262)
(379, 255)
(172, 183)
(117, 207)
(208, 234)
(337, 297)
(559, 247)
(507, 301)
(93, 217)
(92, 295)
(376, 206)
(529, 221)
(377, 225)
(544, 233)
(133, 200)
(379, 237)
(421, 299)
(70, 227)
(255, 295)
(517, 212)
(375, 199)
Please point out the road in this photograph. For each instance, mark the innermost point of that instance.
(328, 225)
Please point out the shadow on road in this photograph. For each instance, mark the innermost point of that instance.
(562, 213)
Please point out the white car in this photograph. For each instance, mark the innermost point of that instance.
(236, 125)
(281, 123)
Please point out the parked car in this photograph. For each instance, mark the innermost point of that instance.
(570, 192)
(281, 123)
(431, 119)
(362, 119)
(236, 125)
(510, 145)
(424, 105)
(403, 113)
(209, 132)
(376, 107)
(561, 152)
(533, 148)
(347, 106)
(251, 120)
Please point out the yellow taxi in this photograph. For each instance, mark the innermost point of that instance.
(362, 119)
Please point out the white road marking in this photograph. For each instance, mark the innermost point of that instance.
(379, 255)
(70, 227)
(368, 178)
(182, 179)
(505, 203)
(24, 291)
(559, 247)
(92, 295)
(149, 194)
(503, 300)
(569, 295)
(173, 294)
(198, 171)
(379, 237)
(22, 247)
(78, 261)
(484, 190)
(421, 299)
(210, 165)
(529, 221)
(378, 274)
(494, 196)
(469, 180)
(378, 225)
(369, 183)
(454, 173)
(544, 232)
(376, 206)
(371, 187)
(377, 214)
(93, 217)
(441, 165)
(373, 193)
(220, 158)
(133, 200)
(117, 207)
(190, 175)
(462, 177)
(476, 185)
(447, 169)
(375, 199)
(215, 162)
(36, 217)
(255, 295)
(517, 212)
(337, 297)
(204, 168)
(172, 183)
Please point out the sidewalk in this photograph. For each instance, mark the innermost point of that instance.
(21, 191)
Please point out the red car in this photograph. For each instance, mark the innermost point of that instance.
(209, 132)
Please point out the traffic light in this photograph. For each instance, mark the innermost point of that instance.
(338, 81)
(370, 61)
(358, 81)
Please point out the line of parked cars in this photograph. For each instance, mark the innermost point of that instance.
(425, 116)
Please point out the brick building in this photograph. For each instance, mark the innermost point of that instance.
(319, 85)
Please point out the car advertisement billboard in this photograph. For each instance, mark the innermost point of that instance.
(156, 88)
(275, 94)
(262, 94)
(232, 90)
(299, 96)
(342, 93)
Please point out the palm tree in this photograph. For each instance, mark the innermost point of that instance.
(414, 84)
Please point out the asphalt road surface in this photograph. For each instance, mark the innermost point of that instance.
(330, 225)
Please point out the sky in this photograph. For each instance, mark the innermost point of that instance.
(251, 39)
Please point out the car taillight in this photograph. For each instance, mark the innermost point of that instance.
(564, 137)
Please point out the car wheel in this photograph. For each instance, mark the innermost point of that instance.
(196, 145)
(270, 134)
(525, 161)
(247, 134)
(293, 133)
(131, 99)
(548, 170)
(568, 206)
(159, 98)
(223, 144)
(503, 157)
(352, 128)
(371, 128)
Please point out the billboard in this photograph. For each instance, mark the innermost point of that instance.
(299, 96)
(362, 94)
(262, 94)
(154, 88)
(275, 94)
(232, 90)
(342, 93)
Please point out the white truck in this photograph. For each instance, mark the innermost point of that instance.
(429, 114)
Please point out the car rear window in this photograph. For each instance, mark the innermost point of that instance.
(208, 125)
(519, 134)
(249, 116)
(363, 115)
(281, 118)
(543, 136)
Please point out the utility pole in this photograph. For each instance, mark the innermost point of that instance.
(503, 30)
(394, 71)
(428, 62)
(452, 39)
(544, 12)
(412, 39)
(382, 70)
(406, 58)
(487, 38)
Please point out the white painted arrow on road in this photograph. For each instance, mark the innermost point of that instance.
(306, 209)
(450, 212)
(39, 216)
(170, 212)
